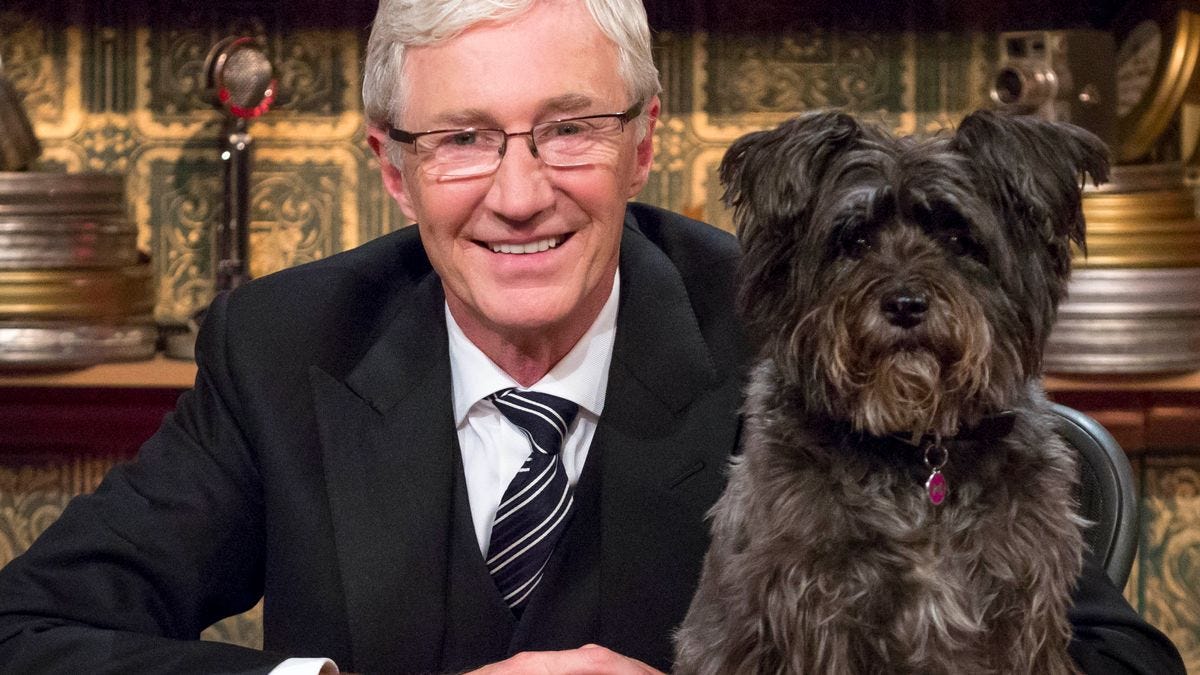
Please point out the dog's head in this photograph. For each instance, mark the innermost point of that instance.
(907, 285)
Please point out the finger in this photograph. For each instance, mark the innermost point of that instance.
(587, 660)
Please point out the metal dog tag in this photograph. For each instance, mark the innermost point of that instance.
(936, 487)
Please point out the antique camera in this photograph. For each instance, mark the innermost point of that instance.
(1065, 76)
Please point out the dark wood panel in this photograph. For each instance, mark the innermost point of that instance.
(1143, 420)
(48, 420)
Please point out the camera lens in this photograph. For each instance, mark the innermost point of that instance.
(1023, 87)
(1008, 87)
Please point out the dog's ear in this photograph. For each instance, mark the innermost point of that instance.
(1035, 170)
(770, 178)
(769, 175)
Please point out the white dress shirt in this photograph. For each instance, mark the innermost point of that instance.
(493, 449)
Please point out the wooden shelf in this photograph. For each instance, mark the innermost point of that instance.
(157, 373)
(1178, 383)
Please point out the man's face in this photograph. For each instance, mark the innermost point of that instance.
(551, 62)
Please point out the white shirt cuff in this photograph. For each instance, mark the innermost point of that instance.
(306, 667)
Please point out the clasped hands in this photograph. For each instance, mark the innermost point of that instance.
(586, 660)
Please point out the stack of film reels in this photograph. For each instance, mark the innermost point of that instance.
(74, 290)
(1134, 299)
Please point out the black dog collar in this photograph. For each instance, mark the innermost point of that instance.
(936, 450)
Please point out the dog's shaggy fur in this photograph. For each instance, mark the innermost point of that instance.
(901, 292)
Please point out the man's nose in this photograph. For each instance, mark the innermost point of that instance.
(520, 187)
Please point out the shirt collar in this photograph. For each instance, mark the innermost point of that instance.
(581, 376)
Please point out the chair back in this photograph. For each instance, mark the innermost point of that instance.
(1106, 492)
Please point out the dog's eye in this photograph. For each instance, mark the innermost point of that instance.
(857, 246)
(962, 244)
(856, 243)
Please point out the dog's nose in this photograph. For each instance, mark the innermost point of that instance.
(904, 309)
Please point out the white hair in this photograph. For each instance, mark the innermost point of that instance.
(407, 23)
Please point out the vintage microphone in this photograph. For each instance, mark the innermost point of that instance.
(239, 78)
(239, 75)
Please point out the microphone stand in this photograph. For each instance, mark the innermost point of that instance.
(232, 241)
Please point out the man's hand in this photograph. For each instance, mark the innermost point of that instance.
(587, 660)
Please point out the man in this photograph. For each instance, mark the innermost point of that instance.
(342, 452)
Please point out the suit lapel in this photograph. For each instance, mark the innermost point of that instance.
(668, 428)
(627, 566)
(388, 441)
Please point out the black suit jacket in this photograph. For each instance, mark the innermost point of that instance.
(316, 462)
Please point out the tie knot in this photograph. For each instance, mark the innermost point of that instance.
(543, 417)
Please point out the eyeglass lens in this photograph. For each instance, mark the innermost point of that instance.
(474, 152)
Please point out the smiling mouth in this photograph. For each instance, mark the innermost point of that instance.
(530, 247)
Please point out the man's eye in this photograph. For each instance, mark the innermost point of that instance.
(566, 129)
(461, 138)
(453, 140)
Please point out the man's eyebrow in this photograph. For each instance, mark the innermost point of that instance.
(568, 103)
(466, 117)
(557, 106)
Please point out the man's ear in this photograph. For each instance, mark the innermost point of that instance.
(645, 149)
(393, 179)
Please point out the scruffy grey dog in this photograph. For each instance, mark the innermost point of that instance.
(901, 504)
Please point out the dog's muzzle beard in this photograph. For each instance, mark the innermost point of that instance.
(912, 358)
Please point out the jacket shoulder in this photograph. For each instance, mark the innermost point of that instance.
(706, 257)
(327, 312)
(683, 239)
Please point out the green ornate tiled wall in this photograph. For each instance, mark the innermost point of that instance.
(1166, 588)
(117, 86)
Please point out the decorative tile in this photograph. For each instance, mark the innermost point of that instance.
(787, 73)
(43, 65)
(107, 141)
(944, 72)
(674, 57)
(302, 207)
(33, 495)
(179, 204)
(108, 66)
(1168, 587)
(174, 57)
(244, 629)
(301, 201)
(317, 71)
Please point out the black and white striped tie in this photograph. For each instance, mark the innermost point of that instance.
(533, 512)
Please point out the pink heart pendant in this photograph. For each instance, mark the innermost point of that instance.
(936, 487)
